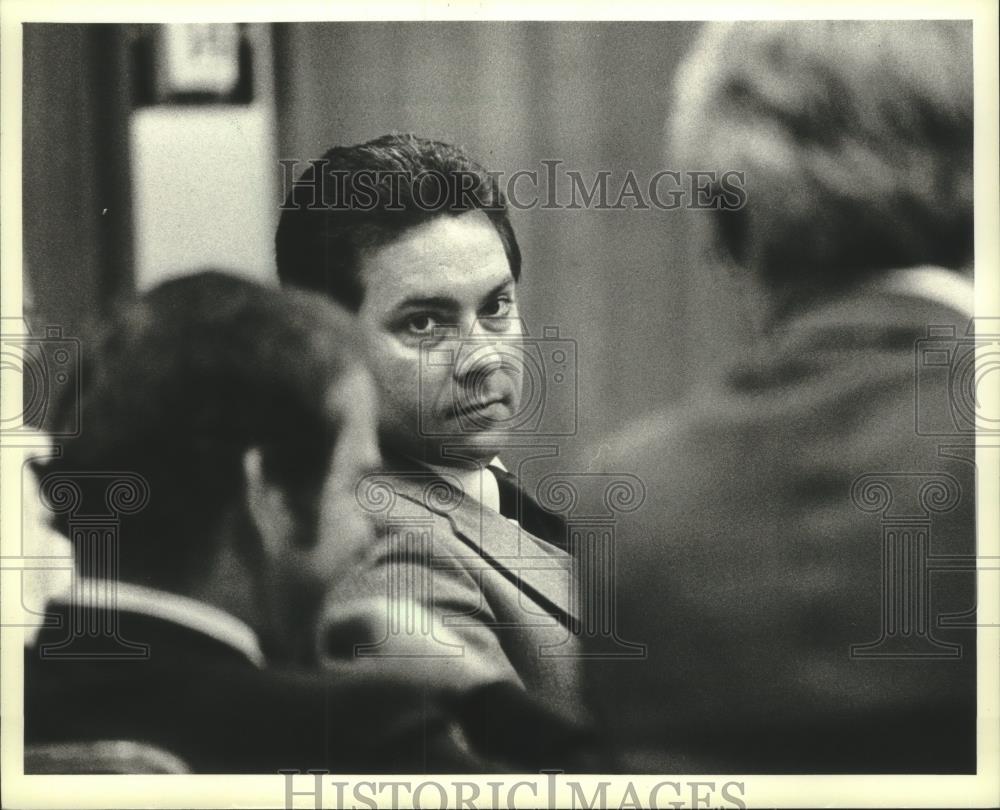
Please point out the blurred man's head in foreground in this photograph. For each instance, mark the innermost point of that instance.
(247, 412)
(856, 141)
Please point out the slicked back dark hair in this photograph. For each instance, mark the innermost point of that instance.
(359, 198)
(178, 385)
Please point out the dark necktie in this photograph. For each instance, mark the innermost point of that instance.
(517, 504)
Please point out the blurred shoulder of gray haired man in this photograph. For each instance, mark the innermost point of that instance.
(780, 571)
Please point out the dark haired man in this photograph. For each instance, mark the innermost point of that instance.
(415, 236)
(812, 538)
(230, 424)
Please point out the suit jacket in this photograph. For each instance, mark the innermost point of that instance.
(796, 620)
(206, 702)
(456, 593)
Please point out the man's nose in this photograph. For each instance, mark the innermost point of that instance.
(484, 349)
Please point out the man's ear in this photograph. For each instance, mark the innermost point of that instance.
(267, 505)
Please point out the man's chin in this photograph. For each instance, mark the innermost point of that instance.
(467, 448)
(448, 445)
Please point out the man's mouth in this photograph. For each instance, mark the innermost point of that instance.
(495, 407)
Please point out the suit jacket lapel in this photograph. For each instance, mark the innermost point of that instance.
(537, 568)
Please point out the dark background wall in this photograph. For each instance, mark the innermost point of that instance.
(77, 212)
(649, 318)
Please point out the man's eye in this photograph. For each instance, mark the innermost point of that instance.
(497, 308)
(420, 325)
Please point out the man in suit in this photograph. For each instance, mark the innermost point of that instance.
(225, 427)
(415, 237)
(802, 570)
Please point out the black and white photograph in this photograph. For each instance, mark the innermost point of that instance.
(502, 406)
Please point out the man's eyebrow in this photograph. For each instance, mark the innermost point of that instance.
(501, 287)
(438, 302)
(441, 302)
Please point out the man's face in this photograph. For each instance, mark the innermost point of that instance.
(344, 531)
(450, 273)
(314, 563)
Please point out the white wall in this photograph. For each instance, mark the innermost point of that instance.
(205, 182)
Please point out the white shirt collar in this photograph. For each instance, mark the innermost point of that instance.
(191, 613)
(948, 287)
(479, 483)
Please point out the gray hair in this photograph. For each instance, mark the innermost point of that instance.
(856, 140)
